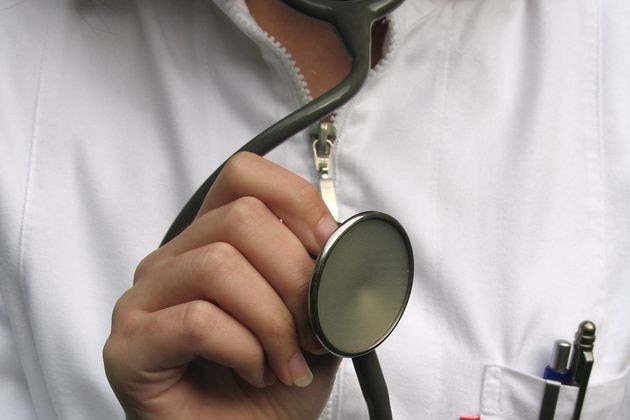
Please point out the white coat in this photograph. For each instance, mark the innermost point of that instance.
(496, 131)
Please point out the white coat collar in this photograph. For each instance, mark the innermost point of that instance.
(406, 17)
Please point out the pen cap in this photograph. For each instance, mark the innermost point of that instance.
(585, 335)
(560, 355)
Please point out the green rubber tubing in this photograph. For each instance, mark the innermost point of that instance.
(353, 20)
(373, 386)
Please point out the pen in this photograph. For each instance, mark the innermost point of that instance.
(582, 363)
(549, 401)
(556, 374)
(558, 370)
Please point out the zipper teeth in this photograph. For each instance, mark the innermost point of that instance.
(391, 40)
(244, 20)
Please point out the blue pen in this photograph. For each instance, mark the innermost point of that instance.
(558, 370)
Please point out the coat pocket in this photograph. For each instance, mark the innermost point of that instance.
(508, 394)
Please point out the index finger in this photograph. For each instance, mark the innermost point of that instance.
(291, 198)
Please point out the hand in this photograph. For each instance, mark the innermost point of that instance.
(215, 323)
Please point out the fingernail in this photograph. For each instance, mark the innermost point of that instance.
(301, 374)
(324, 229)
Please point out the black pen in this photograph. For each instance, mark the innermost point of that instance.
(556, 374)
(582, 363)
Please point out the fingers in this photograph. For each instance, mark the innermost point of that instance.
(177, 335)
(289, 197)
(219, 274)
(232, 288)
(278, 255)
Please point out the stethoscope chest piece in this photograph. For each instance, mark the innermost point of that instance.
(361, 284)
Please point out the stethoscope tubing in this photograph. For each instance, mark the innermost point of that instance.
(353, 20)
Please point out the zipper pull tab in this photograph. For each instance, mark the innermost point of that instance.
(324, 135)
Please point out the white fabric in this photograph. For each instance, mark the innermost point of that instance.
(496, 131)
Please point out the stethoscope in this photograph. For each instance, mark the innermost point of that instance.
(362, 278)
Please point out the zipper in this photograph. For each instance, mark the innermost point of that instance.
(323, 134)
(241, 17)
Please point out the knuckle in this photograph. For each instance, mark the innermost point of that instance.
(197, 322)
(123, 319)
(246, 211)
(214, 259)
(125, 325)
(110, 356)
(279, 329)
(238, 163)
(114, 353)
(146, 266)
(109, 351)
